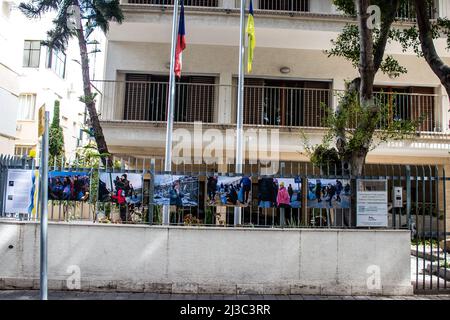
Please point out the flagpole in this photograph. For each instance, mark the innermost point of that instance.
(240, 108)
(171, 104)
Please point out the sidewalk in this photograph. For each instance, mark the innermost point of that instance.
(77, 295)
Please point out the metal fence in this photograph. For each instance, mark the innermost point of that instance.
(423, 208)
(423, 199)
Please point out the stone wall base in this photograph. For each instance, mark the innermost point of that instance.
(195, 288)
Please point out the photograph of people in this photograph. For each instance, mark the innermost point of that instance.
(71, 186)
(124, 189)
(279, 192)
(329, 193)
(228, 191)
(176, 190)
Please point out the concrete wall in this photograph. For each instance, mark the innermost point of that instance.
(208, 260)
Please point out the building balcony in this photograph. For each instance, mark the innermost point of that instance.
(283, 23)
(284, 104)
(288, 7)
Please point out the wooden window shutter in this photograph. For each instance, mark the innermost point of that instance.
(314, 101)
(253, 101)
(422, 105)
(136, 97)
(283, 5)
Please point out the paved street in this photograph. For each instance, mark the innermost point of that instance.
(74, 295)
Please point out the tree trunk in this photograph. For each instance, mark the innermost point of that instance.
(367, 74)
(428, 49)
(389, 14)
(89, 100)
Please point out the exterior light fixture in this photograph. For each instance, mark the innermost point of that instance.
(285, 70)
(168, 65)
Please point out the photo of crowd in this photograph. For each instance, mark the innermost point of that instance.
(228, 191)
(329, 193)
(71, 186)
(124, 189)
(176, 190)
(279, 193)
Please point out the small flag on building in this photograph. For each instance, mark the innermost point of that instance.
(251, 37)
(181, 43)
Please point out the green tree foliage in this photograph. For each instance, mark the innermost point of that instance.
(388, 128)
(56, 137)
(346, 44)
(359, 125)
(93, 14)
(78, 19)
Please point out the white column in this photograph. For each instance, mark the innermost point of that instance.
(225, 103)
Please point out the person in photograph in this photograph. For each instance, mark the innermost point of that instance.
(331, 191)
(318, 191)
(103, 192)
(283, 199)
(232, 195)
(275, 191)
(265, 192)
(118, 184)
(339, 188)
(246, 184)
(122, 203)
(67, 191)
(347, 189)
(176, 197)
(78, 187)
(56, 188)
(211, 188)
(290, 191)
(126, 184)
(223, 194)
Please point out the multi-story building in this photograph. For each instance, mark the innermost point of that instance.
(9, 86)
(292, 78)
(36, 76)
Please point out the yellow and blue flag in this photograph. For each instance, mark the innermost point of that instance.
(251, 37)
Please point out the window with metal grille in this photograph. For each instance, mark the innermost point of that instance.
(27, 105)
(286, 102)
(409, 103)
(146, 98)
(31, 53)
(407, 10)
(284, 5)
(192, 3)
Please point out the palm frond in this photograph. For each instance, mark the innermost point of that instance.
(104, 11)
(36, 8)
(59, 36)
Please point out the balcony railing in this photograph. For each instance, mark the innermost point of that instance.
(263, 106)
(190, 3)
(415, 107)
(406, 11)
(280, 5)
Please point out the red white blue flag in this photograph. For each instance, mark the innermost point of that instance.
(181, 43)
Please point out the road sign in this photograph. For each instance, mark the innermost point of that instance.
(41, 121)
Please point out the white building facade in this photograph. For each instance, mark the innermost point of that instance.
(36, 76)
(292, 78)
